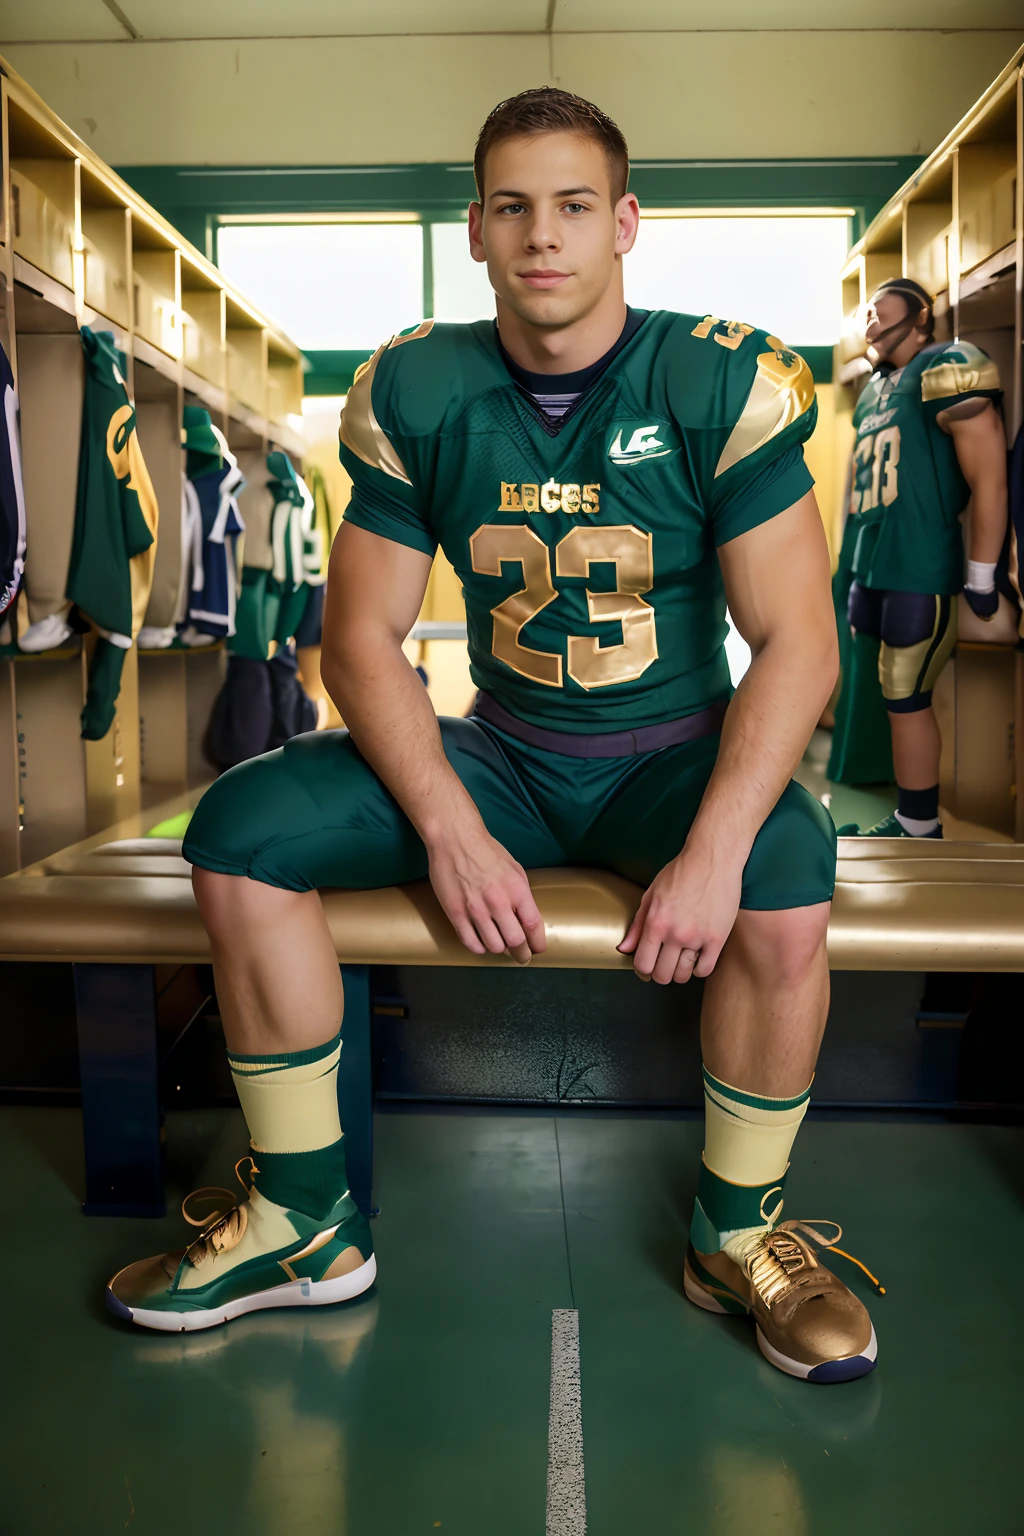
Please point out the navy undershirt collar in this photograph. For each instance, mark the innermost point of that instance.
(578, 382)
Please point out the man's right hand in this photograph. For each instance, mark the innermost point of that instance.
(486, 896)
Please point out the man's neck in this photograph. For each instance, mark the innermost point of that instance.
(562, 349)
(906, 351)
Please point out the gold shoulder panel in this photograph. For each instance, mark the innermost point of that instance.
(782, 391)
(359, 428)
(951, 378)
(423, 329)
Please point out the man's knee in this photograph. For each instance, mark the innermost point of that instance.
(233, 906)
(783, 947)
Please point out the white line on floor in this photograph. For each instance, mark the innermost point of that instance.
(567, 1497)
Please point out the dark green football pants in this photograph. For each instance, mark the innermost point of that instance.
(314, 814)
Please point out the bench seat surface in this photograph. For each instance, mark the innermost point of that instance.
(931, 906)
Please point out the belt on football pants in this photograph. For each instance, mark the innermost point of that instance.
(647, 738)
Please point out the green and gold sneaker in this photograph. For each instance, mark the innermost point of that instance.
(889, 826)
(249, 1255)
(809, 1323)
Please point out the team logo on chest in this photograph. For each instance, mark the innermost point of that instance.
(633, 442)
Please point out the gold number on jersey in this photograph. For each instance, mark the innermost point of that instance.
(887, 458)
(492, 546)
(735, 331)
(590, 664)
(880, 450)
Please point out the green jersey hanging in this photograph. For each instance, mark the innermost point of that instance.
(114, 544)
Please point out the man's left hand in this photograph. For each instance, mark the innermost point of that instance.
(984, 604)
(684, 919)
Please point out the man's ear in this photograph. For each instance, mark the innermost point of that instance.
(627, 223)
(476, 223)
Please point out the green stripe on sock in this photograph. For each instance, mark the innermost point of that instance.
(272, 1063)
(310, 1182)
(724, 1207)
(754, 1100)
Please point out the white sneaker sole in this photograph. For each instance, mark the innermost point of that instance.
(831, 1371)
(294, 1293)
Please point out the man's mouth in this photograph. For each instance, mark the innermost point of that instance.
(543, 279)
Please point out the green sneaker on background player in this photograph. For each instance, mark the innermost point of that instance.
(248, 1256)
(889, 826)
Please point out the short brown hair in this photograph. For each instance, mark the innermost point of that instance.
(546, 109)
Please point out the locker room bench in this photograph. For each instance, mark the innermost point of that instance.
(116, 910)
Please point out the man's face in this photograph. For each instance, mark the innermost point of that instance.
(885, 310)
(548, 230)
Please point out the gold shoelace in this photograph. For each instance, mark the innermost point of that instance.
(224, 1220)
(775, 1258)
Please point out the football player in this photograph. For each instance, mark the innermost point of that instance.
(929, 436)
(602, 479)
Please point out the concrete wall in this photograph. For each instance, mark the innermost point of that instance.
(374, 100)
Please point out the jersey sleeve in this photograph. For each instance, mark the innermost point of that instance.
(745, 433)
(780, 483)
(384, 461)
(958, 371)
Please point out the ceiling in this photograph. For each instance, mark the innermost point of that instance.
(87, 21)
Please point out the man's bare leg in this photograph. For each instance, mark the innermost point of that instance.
(916, 748)
(766, 1001)
(278, 983)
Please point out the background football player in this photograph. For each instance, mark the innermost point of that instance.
(929, 437)
(601, 479)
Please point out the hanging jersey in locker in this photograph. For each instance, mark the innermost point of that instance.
(115, 527)
(213, 523)
(12, 493)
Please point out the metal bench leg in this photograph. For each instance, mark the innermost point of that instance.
(355, 1085)
(117, 1051)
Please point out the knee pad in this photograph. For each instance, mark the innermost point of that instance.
(919, 633)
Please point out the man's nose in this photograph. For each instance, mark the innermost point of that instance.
(542, 234)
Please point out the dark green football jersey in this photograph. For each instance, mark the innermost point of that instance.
(586, 548)
(906, 487)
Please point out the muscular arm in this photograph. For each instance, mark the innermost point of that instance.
(777, 582)
(375, 590)
(779, 592)
(980, 442)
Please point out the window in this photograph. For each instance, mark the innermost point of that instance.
(331, 287)
(344, 287)
(777, 272)
(462, 290)
(780, 273)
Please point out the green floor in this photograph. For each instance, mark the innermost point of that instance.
(424, 1407)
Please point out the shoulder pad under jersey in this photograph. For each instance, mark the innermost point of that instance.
(957, 368)
(410, 387)
(741, 380)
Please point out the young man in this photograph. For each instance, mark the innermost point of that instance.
(929, 437)
(601, 479)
